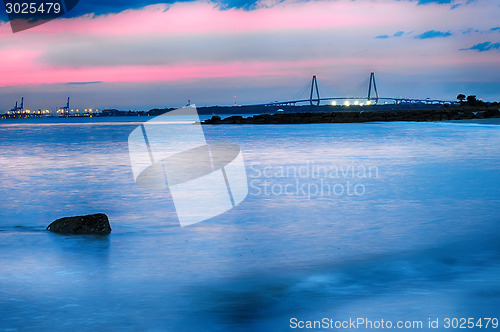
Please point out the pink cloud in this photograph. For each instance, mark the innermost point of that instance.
(206, 18)
(148, 73)
(349, 26)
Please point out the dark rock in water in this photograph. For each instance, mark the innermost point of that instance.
(89, 224)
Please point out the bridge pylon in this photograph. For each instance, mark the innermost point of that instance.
(372, 82)
(314, 86)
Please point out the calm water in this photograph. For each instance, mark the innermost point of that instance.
(393, 221)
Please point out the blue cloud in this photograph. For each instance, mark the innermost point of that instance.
(483, 47)
(453, 3)
(397, 34)
(112, 6)
(83, 83)
(441, 2)
(99, 7)
(433, 34)
(470, 30)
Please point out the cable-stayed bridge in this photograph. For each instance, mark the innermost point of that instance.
(372, 97)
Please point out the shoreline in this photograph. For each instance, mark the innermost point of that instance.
(360, 116)
(226, 110)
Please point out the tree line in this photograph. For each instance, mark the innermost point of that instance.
(469, 100)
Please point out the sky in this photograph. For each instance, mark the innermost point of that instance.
(145, 54)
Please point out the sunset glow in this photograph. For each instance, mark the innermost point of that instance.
(342, 41)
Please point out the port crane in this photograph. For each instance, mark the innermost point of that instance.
(16, 108)
(65, 109)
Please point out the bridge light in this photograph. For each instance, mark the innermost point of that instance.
(334, 103)
(356, 102)
(346, 103)
(362, 104)
(368, 102)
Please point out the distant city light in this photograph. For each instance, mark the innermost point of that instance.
(368, 102)
(64, 111)
(334, 103)
(356, 102)
(346, 103)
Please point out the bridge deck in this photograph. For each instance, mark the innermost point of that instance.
(399, 100)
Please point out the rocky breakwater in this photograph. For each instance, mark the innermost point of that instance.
(443, 114)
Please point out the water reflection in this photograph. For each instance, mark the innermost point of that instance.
(421, 240)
